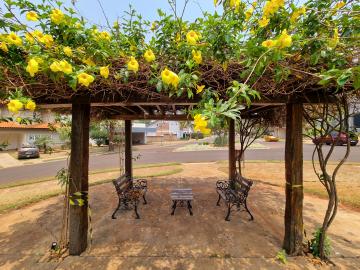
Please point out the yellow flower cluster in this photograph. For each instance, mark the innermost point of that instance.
(264, 21)
(283, 41)
(61, 66)
(4, 47)
(14, 106)
(149, 56)
(88, 61)
(44, 39)
(104, 35)
(133, 64)
(271, 7)
(104, 71)
(32, 67)
(297, 13)
(200, 124)
(192, 37)
(248, 13)
(335, 39)
(30, 105)
(13, 38)
(32, 16)
(339, 5)
(85, 79)
(57, 16)
(235, 4)
(170, 78)
(68, 51)
(197, 56)
(199, 88)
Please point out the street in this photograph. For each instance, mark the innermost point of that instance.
(157, 154)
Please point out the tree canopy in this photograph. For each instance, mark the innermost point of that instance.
(247, 51)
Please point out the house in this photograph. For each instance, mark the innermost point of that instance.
(13, 134)
(166, 131)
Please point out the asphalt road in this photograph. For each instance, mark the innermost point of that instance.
(155, 154)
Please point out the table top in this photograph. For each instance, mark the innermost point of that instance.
(184, 194)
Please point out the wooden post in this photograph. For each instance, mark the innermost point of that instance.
(293, 238)
(232, 159)
(128, 150)
(79, 169)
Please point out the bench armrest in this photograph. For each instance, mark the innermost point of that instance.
(222, 184)
(140, 184)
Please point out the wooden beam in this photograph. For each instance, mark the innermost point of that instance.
(143, 109)
(79, 168)
(178, 117)
(128, 149)
(293, 239)
(232, 160)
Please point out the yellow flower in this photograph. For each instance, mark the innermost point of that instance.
(149, 56)
(297, 13)
(339, 5)
(192, 37)
(104, 71)
(199, 88)
(284, 40)
(254, 4)
(335, 39)
(57, 16)
(30, 105)
(133, 65)
(47, 40)
(14, 39)
(38, 34)
(272, 7)
(89, 62)
(248, 13)
(104, 35)
(65, 67)
(268, 43)
(32, 16)
(29, 38)
(85, 79)
(197, 56)
(264, 22)
(14, 106)
(32, 67)
(200, 124)
(55, 66)
(4, 47)
(68, 51)
(170, 78)
(235, 4)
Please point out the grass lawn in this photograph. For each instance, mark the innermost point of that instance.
(348, 179)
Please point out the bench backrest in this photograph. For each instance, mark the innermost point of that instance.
(242, 184)
(121, 184)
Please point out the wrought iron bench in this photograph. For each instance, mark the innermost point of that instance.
(234, 193)
(129, 193)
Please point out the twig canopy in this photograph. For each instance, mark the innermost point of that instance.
(248, 51)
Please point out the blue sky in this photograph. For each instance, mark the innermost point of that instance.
(90, 9)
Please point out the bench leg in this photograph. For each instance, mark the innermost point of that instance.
(189, 207)
(227, 218)
(247, 210)
(135, 209)
(117, 208)
(218, 202)
(173, 207)
(145, 202)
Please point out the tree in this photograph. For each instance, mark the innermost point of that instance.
(98, 133)
(325, 120)
(249, 129)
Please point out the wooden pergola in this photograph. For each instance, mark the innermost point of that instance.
(84, 107)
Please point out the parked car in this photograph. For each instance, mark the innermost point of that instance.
(270, 138)
(28, 151)
(340, 138)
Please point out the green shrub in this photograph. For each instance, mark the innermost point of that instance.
(221, 141)
(315, 241)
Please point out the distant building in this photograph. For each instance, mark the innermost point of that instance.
(166, 131)
(14, 135)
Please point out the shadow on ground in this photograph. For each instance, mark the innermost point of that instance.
(161, 241)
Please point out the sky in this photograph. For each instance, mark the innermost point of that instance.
(91, 10)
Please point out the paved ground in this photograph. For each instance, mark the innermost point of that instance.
(158, 153)
(160, 241)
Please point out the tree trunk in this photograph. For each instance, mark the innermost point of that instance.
(293, 238)
(78, 182)
(111, 136)
(232, 160)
